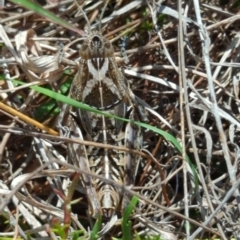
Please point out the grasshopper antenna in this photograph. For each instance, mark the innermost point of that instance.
(101, 16)
(85, 16)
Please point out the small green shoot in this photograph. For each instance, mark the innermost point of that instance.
(126, 224)
(59, 229)
(76, 235)
(96, 228)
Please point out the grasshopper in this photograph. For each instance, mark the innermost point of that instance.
(100, 84)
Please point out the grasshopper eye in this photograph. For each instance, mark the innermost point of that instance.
(84, 53)
(107, 45)
(109, 51)
(84, 47)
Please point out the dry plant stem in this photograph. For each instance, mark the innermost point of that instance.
(15, 223)
(153, 13)
(27, 85)
(216, 9)
(70, 140)
(8, 43)
(27, 119)
(38, 204)
(14, 119)
(205, 46)
(44, 227)
(129, 28)
(207, 103)
(27, 101)
(41, 148)
(5, 96)
(46, 207)
(169, 41)
(65, 24)
(162, 175)
(183, 100)
(125, 32)
(10, 196)
(135, 22)
(188, 70)
(209, 143)
(224, 201)
(16, 226)
(4, 142)
(214, 153)
(124, 10)
(20, 169)
(205, 49)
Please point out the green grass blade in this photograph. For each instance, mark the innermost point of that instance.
(74, 103)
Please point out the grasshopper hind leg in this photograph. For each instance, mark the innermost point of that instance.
(133, 140)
